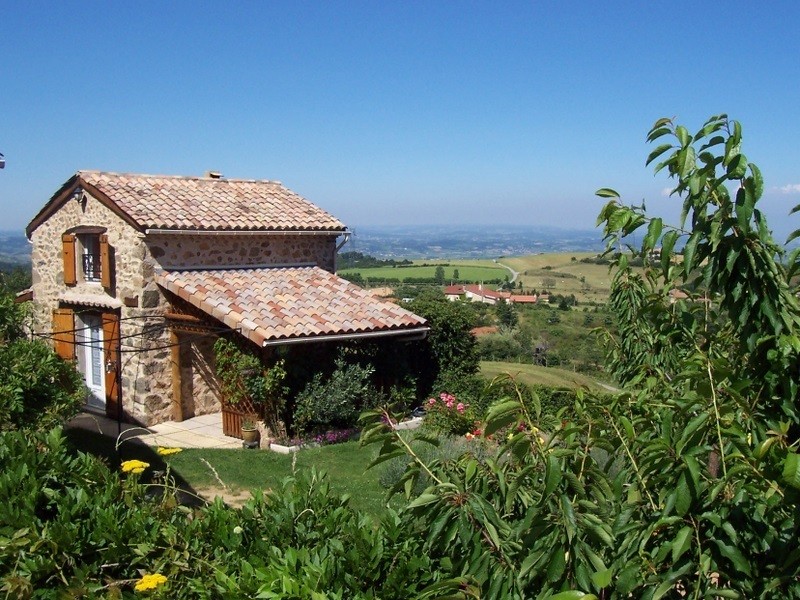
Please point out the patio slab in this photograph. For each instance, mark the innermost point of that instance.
(204, 431)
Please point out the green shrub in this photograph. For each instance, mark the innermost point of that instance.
(337, 401)
(38, 389)
(70, 528)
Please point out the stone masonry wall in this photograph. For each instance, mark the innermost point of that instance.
(226, 250)
(146, 382)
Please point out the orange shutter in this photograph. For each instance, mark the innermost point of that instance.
(68, 252)
(64, 333)
(111, 346)
(106, 264)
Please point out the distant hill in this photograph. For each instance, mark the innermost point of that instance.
(469, 241)
(14, 248)
(417, 241)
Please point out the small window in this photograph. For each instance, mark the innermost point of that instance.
(90, 256)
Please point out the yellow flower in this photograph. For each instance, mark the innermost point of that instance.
(149, 582)
(167, 451)
(134, 466)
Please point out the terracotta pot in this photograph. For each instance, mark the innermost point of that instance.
(250, 435)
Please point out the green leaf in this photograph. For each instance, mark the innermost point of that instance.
(689, 252)
(656, 153)
(501, 415)
(662, 122)
(681, 543)
(714, 141)
(687, 160)
(735, 555)
(552, 475)
(602, 579)
(555, 568)
(653, 233)
(572, 595)
(791, 470)
(683, 496)
(626, 424)
(667, 244)
(423, 500)
(683, 136)
(758, 180)
(383, 457)
(657, 133)
(606, 193)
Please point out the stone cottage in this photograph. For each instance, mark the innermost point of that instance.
(135, 276)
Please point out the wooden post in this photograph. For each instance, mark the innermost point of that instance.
(177, 387)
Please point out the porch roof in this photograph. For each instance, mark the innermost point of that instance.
(284, 305)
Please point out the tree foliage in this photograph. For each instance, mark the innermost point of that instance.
(686, 483)
(37, 388)
(450, 350)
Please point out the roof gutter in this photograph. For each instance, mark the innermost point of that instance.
(244, 232)
(346, 239)
(415, 334)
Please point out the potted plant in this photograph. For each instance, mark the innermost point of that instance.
(250, 386)
(250, 431)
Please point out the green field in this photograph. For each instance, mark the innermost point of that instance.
(466, 271)
(559, 273)
(563, 273)
(536, 375)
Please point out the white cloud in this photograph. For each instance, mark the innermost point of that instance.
(792, 188)
(666, 192)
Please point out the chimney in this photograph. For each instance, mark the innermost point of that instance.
(213, 175)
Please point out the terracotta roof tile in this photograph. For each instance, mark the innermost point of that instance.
(288, 303)
(204, 203)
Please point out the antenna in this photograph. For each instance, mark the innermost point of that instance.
(2, 161)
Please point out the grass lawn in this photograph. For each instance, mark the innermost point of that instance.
(536, 375)
(244, 470)
(240, 471)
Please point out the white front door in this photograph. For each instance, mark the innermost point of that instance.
(90, 360)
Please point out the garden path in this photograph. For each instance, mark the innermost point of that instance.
(204, 431)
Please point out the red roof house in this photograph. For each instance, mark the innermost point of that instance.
(135, 276)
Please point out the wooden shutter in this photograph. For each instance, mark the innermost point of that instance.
(64, 333)
(106, 264)
(68, 253)
(111, 347)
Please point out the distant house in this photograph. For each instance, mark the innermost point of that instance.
(478, 293)
(134, 276)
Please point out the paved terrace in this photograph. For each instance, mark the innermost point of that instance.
(204, 431)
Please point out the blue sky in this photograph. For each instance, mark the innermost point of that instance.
(396, 112)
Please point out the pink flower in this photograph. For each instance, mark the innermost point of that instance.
(449, 403)
(431, 401)
(460, 407)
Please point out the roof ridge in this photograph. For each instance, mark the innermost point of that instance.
(82, 172)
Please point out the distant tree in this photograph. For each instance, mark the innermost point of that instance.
(14, 278)
(506, 314)
(438, 276)
(449, 353)
(455, 274)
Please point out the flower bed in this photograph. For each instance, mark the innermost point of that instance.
(289, 445)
